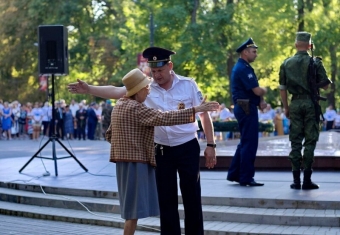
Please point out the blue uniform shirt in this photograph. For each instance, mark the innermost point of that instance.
(243, 80)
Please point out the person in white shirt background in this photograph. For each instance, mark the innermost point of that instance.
(37, 116)
(47, 116)
(336, 123)
(329, 116)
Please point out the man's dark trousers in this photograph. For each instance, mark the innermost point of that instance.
(183, 159)
(242, 166)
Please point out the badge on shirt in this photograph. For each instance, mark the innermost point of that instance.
(250, 76)
(200, 96)
(181, 105)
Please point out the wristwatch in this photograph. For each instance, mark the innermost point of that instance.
(211, 145)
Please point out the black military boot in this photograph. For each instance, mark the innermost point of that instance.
(307, 182)
(297, 182)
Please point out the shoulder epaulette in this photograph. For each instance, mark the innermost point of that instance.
(185, 78)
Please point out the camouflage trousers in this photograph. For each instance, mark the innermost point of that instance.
(303, 126)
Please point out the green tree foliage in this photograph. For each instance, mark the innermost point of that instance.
(105, 36)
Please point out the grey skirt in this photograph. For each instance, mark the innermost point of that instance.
(137, 190)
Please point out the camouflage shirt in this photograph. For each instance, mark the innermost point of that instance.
(294, 73)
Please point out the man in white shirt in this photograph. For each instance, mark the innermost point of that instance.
(329, 116)
(177, 147)
(225, 114)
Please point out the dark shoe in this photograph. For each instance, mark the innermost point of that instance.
(295, 186)
(233, 179)
(252, 184)
(310, 186)
(307, 182)
(297, 182)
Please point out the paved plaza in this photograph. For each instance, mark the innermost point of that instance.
(101, 174)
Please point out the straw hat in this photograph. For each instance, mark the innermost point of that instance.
(134, 81)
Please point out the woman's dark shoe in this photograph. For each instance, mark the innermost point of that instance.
(252, 184)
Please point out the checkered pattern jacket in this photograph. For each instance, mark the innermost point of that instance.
(131, 132)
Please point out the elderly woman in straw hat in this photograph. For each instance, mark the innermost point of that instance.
(131, 135)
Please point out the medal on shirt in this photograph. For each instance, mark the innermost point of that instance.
(181, 105)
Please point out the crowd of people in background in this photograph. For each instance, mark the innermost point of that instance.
(76, 120)
(276, 117)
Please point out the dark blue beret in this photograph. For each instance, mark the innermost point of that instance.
(157, 56)
(246, 44)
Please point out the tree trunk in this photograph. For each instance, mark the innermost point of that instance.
(301, 21)
(334, 71)
(194, 11)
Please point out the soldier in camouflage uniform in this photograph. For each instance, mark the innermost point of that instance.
(301, 111)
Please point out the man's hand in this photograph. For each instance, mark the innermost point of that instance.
(287, 112)
(79, 87)
(210, 157)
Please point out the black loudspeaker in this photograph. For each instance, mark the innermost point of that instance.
(53, 51)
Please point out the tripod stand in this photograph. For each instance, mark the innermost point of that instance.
(53, 139)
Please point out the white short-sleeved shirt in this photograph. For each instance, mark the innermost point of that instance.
(47, 113)
(225, 114)
(337, 120)
(37, 114)
(74, 108)
(329, 115)
(183, 91)
(98, 111)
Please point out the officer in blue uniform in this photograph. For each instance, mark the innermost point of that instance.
(247, 96)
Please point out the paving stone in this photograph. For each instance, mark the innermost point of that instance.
(273, 203)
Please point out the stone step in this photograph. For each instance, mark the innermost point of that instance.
(74, 216)
(152, 224)
(243, 201)
(21, 225)
(59, 190)
(95, 204)
(298, 217)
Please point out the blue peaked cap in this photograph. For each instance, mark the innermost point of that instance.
(157, 56)
(246, 44)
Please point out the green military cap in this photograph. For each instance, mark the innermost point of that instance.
(303, 36)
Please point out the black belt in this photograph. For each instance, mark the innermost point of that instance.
(301, 97)
(161, 148)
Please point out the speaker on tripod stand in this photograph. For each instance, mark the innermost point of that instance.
(53, 60)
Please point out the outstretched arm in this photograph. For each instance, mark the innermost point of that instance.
(106, 92)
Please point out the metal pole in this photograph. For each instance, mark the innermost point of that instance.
(152, 29)
(54, 154)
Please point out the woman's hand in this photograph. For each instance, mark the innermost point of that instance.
(207, 106)
(79, 87)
